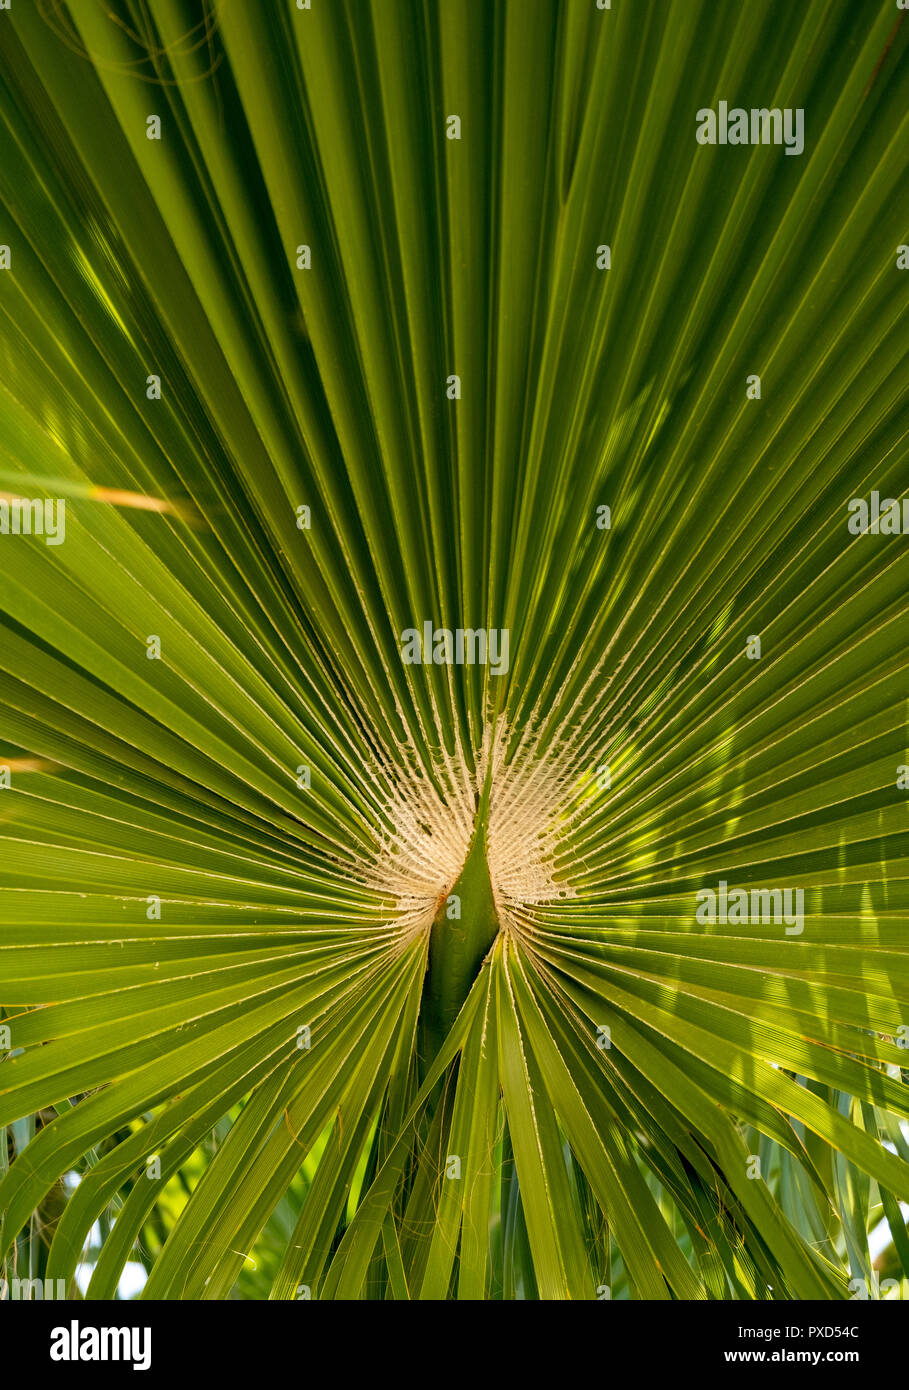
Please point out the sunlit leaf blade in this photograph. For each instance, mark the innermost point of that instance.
(330, 973)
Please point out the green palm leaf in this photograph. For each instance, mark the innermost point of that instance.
(330, 974)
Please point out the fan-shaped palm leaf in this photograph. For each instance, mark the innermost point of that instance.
(418, 943)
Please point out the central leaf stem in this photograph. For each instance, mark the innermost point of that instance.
(458, 944)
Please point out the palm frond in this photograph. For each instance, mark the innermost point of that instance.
(331, 974)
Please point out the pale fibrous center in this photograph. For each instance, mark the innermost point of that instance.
(517, 809)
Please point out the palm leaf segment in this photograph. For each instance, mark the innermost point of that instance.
(229, 866)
